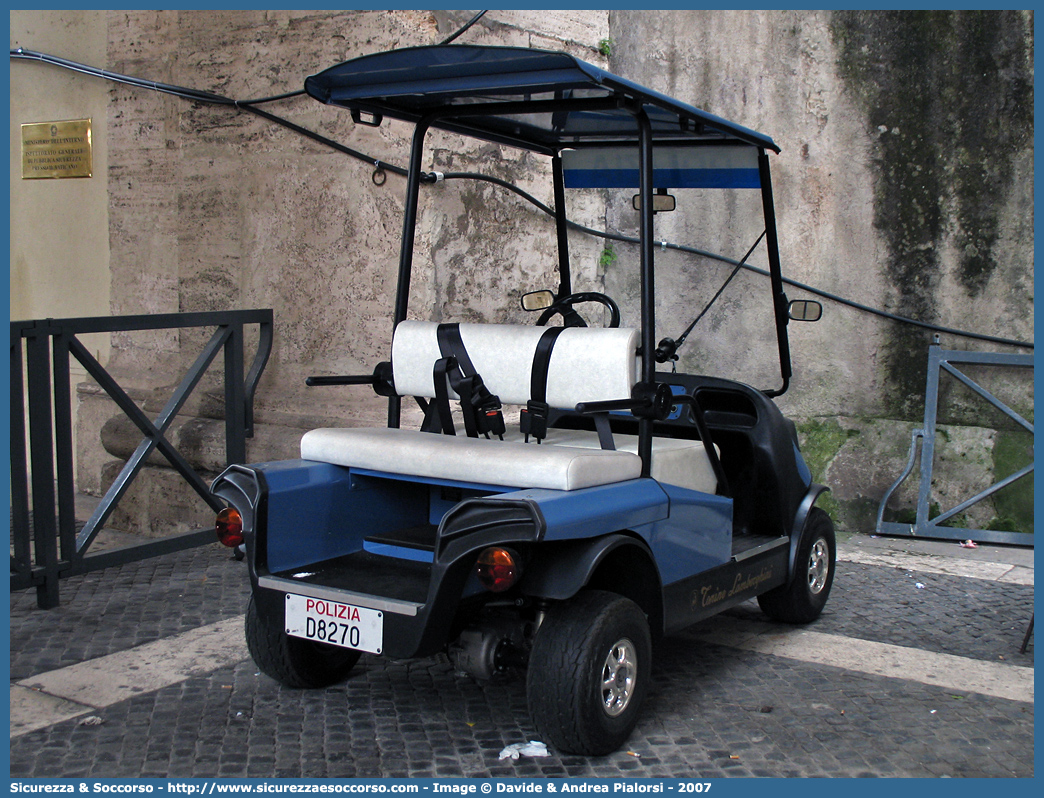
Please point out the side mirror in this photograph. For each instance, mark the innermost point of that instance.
(661, 202)
(538, 300)
(805, 310)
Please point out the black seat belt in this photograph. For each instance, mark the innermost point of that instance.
(482, 410)
(441, 420)
(532, 420)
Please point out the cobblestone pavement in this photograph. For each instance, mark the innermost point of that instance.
(975, 618)
(712, 712)
(118, 608)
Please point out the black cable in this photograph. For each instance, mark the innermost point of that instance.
(720, 291)
(165, 88)
(471, 22)
(865, 308)
(377, 163)
(285, 96)
(504, 184)
(217, 99)
(209, 98)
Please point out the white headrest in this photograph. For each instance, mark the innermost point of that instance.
(588, 364)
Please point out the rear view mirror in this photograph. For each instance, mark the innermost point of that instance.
(538, 300)
(661, 202)
(805, 310)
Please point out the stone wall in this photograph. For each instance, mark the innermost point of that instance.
(904, 182)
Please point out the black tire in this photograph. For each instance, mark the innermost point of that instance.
(579, 644)
(294, 661)
(803, 599)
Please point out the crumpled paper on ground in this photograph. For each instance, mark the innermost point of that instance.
(532, 748)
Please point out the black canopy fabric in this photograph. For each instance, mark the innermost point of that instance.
(533, 99)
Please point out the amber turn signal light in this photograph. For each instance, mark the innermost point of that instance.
(497, 569)
(229, 527)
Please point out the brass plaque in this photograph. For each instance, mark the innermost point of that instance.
(56, 149)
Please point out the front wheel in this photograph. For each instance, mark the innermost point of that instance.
(294, 661)
(589, 672)
(803, 599)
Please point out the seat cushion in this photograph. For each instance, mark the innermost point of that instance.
(675, 461)
(487, 462)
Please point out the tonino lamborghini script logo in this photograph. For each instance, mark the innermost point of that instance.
(331, 610)
(742, 583)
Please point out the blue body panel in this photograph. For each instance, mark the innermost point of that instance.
(802, 467)
(695, 537)
(402, 552)
(317, 511)
(584, 513)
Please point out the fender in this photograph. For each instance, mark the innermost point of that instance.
(243, 488)
(813, 493)
(560, 570)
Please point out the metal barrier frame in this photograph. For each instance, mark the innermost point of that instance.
(940, 360)
(47, 547)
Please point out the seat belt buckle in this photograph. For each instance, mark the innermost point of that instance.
(532, 420)
(493, 422)
(490, 416)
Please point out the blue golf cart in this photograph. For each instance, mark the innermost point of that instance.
(563, 503)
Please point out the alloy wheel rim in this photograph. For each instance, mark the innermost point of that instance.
(618, 677)
(818, 567)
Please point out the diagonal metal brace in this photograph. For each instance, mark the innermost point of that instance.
(153, 432)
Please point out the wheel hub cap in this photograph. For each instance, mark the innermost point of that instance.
(618, 675)
(818, 567)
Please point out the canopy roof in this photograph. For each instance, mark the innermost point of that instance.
(533, 99)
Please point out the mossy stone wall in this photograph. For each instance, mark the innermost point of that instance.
(904, 182)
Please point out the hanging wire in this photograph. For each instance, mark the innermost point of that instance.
(467, 25)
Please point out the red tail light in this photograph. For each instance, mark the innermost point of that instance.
(497, 569)
(229, 527)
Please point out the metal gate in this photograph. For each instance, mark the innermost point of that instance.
(939, 361)
(45, 543)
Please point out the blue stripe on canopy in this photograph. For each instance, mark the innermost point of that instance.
(664, 178)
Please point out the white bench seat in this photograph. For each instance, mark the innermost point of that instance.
(566, 460)
(585, 365)
(486, 462)
(676, 461)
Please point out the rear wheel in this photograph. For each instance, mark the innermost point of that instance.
(589, 672)
(294, 661)
(803, 599)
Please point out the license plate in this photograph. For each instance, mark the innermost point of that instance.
(331, 622)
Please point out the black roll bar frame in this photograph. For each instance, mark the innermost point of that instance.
(439, 117)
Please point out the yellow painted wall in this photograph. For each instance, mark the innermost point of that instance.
(59, 228)
(59, 234)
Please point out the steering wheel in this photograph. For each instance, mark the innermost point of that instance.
(563, 306)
